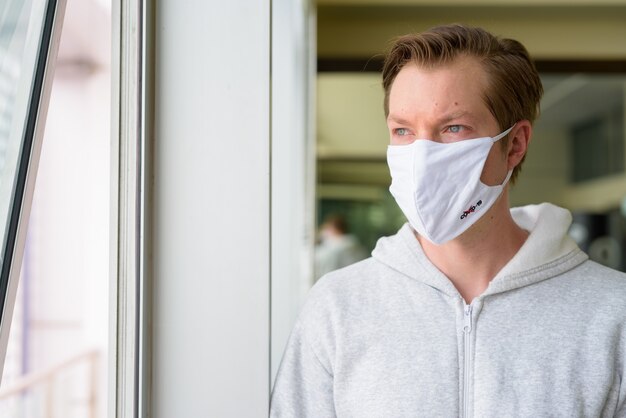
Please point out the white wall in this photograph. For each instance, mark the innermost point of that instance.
(293, 166)
(211, 210)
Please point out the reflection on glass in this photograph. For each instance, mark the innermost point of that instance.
(21, 23)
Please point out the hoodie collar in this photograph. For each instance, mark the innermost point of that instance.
(547, 252)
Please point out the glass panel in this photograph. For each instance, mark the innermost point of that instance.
(21, 23)
(27, 38)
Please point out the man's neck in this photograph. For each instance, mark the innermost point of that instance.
(473, 259)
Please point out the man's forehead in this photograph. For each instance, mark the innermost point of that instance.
(467, 70)
(404, 116)
(462, 62)
(449, 91)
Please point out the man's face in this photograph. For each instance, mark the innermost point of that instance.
(445, 104)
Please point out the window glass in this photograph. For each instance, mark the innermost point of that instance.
(21, 23)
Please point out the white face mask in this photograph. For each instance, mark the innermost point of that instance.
(437, 185)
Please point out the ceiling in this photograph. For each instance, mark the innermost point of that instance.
(555, 29)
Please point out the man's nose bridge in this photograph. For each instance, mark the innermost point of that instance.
(429, 133)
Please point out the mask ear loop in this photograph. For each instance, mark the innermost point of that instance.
(503, 134)
(506, 180)
(496, 139)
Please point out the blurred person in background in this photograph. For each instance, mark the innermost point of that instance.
(337, 248)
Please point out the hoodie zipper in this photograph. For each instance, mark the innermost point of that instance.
(467, 330)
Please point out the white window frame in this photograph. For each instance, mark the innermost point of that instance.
(137, 375)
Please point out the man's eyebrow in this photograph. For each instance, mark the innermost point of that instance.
(398, 120)
(456, 115)
(444, 119)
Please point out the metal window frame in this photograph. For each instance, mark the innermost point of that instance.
(132, 133)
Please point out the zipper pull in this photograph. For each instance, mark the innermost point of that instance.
(468, 319)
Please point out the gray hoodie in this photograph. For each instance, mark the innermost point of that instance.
(391, 336)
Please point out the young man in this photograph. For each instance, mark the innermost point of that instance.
(472, 309)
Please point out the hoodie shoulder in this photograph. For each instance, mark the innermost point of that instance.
(359, 290)
(350, 281)
(606, 283)
(350, 292)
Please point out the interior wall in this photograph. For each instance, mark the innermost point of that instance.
(293, 166)
(350, 118)
(211, 229)
(545, 171)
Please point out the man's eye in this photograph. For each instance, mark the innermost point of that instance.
(455, 129)
(402, 131)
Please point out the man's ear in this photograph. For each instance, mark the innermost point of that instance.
(519, 138)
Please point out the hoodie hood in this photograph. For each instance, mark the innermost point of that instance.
(548, 251)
